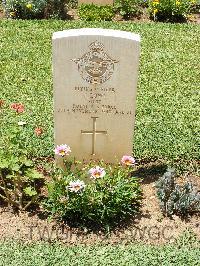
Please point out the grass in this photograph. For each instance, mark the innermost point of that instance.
(167, 114)
(44, 254)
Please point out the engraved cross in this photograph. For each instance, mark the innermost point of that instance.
(94, 132)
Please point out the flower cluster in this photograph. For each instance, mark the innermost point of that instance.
(89, 194)
(18, 107)
(155, 3)
(170, 10)
(95, 173)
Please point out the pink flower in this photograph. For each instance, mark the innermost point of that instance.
(18, 107)
(76, 186)
(96, 172)
(62, 150)
(128, 160)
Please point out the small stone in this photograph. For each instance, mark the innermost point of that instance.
(21, 123)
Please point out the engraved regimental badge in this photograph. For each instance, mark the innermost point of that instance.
(95, 66)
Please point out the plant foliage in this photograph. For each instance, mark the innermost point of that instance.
(128, 8)
(35, 9)
(19, 185)
(102, 202)
(14, 253)
(18, 177)
(91, 12)
(170, 10)
(177, 199)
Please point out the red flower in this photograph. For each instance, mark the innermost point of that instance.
(18, 107)
(13, 106)
(38, 131)
(1, 103)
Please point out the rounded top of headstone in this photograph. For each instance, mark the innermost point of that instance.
(96, 32)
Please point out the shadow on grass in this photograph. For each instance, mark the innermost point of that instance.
(150, 172)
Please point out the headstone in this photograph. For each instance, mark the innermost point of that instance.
(95, 75)
(96, 2)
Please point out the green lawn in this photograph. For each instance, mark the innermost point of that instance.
(167, 115)
(15, 254)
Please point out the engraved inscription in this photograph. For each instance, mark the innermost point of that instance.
(94, 132)
(96, 102)
(99, 89)
(85, 109)
(95, 66)
(95, 97)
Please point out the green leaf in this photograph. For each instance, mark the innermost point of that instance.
(27, 162)
(16, 167)
(30, 191)
(10, 176)
(4, 164)
(32, 174)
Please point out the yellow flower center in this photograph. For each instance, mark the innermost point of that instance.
(62, 152)
(128, 162)
(97, 174)
(77, 187)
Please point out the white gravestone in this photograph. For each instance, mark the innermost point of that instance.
(95, 75)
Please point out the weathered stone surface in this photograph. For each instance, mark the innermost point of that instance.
(95, 75)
